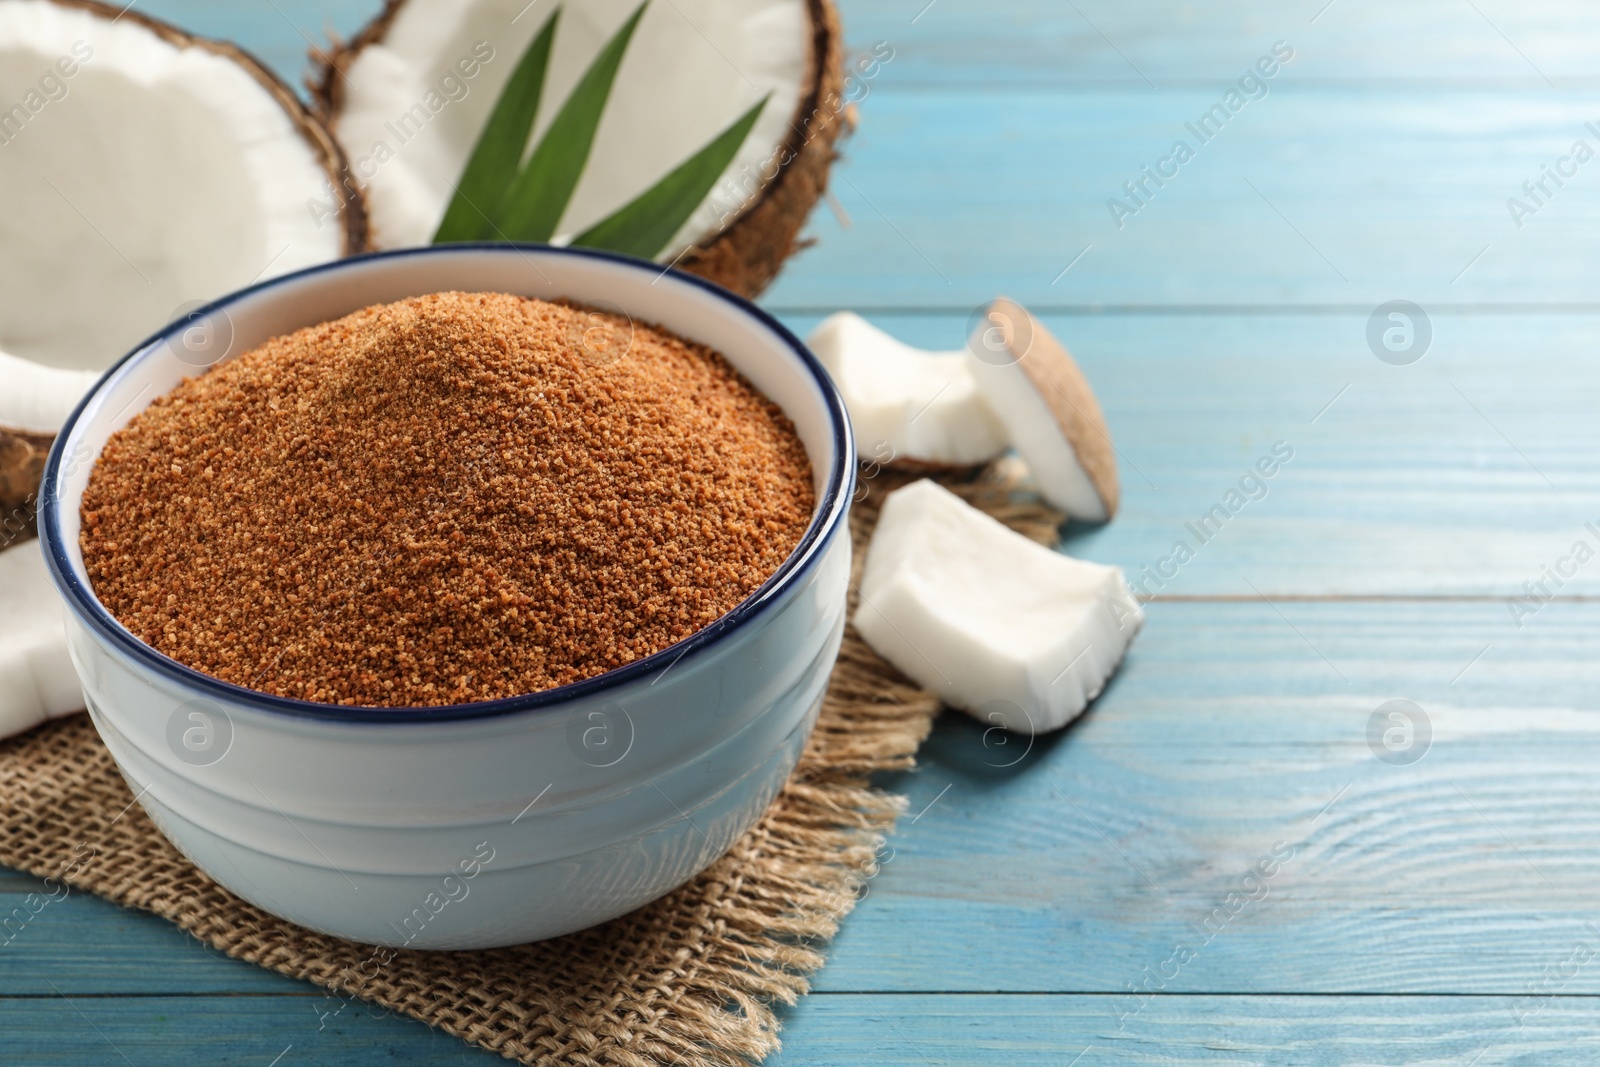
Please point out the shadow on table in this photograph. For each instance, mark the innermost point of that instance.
(980, 754)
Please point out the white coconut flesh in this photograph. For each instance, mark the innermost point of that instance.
(40, 397)
(150, 177)
(1038, 392)
(410, 116)
(907, 404)
(1011, 632)
(37, 680)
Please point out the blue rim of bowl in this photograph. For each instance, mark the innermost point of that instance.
(832, 512)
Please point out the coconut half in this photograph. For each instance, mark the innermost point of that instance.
(409, 96)
(1035, 387)
(909, 408)
(143, 171)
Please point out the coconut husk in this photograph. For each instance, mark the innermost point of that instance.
(1067, 393)
(922, 468)
(22, 452)
(747, 254)
(22, 456)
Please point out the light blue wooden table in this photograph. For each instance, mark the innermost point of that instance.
(1100, 900)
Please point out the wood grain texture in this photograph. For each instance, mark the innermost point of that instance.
(1160, 46)
(844, 1031)
(1312, 196)
(1458, 475)
(1233, 728)
(1430, 913)
(260, 1031)
(1245, 1031)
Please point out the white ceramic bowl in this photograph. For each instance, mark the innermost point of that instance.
(486, 824)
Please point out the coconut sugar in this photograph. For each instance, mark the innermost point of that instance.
(443, 500)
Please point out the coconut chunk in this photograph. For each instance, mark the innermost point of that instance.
(37, 679)
(1013, 633)
(1035, 387)
(908, 406)
(41, 397)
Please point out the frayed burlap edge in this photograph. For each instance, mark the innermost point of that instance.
(692, 979)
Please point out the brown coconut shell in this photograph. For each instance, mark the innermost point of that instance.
(1056, 376)
(747, 254)
(22, 456)
(927, 468)
(22, 453)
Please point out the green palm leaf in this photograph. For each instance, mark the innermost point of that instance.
(495, 158)
(536, 198)
(643, 226)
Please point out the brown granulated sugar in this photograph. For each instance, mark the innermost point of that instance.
(443, 500)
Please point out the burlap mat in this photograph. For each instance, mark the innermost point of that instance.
(689, 980)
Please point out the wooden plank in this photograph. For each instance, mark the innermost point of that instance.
(17, 883)
(1330, 197)
(833, 1031)
(1088, 1031)
(203, 1031)
(1163, 45)
(1463, 474)
(1230, 729)
(66, 945)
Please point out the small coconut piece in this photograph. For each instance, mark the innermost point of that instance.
(1054, 421)
(409, 95)
(1013, 633)
(909, 407)
(37, 679)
